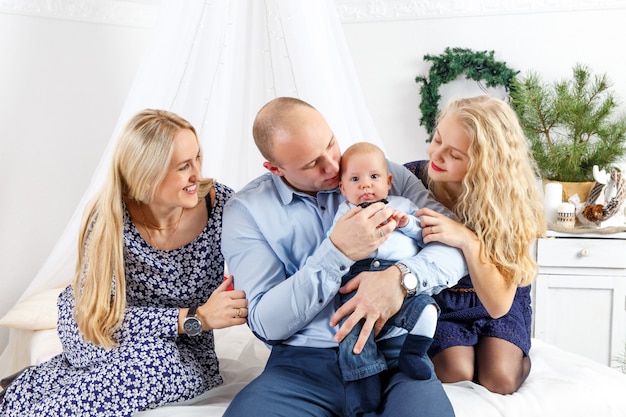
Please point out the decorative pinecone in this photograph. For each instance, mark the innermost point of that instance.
(593, 212)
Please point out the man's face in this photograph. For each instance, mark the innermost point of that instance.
(306, 153)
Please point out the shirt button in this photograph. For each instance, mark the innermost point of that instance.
(342, 268)
(424, 284)
(323, 208)
(376, 264)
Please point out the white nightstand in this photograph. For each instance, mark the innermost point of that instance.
(580, 294)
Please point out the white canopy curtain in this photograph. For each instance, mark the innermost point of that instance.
(216, 63)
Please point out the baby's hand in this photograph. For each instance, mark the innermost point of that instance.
(401, 218)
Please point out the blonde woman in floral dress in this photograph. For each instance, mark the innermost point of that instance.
(149, 251)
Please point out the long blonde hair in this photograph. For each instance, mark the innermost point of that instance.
(139, 164)
(500, 200)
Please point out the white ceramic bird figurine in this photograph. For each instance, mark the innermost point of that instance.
(600, 176)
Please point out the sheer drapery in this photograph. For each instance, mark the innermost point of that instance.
(216, 63)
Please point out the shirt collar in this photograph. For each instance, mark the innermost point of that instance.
(287, 193)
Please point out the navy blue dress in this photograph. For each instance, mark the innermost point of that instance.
(153, 364)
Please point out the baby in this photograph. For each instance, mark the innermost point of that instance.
(364, 181)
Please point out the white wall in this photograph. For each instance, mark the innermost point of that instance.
(63, 83)
(388, 55)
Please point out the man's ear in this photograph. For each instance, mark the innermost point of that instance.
(273, 168)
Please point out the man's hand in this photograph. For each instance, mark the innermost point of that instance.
(379, 296)
(361, 231)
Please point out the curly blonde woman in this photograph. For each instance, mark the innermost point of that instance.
(136, 325)
(480, 168)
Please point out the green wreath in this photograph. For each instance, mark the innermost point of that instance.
(449, 66)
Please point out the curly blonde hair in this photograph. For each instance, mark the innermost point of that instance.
(140, 161)
(500, 200)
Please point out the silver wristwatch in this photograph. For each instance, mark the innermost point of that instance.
(192, 324)
(408, 280)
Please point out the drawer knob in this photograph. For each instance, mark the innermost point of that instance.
(584, 252)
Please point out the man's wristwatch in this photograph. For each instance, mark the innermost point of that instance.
(408, 280)
(192, 324)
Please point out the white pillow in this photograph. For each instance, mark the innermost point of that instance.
(37, 312)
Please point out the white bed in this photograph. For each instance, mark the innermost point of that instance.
(561, 384)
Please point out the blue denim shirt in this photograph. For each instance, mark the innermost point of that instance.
(275, 245)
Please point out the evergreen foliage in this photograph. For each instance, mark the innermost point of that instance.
(451, 64)
(571, 124)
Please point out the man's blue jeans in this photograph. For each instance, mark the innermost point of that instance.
(371, 360)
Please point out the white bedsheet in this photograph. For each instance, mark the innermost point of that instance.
(560, 384)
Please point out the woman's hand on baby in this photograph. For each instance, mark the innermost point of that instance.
(439, 228)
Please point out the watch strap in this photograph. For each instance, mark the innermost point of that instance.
(403, 268)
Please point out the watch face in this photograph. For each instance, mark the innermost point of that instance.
(192, 326)
(409, 281)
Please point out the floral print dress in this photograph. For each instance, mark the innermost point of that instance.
(153, 364)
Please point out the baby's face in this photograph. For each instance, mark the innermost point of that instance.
(365, 178)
